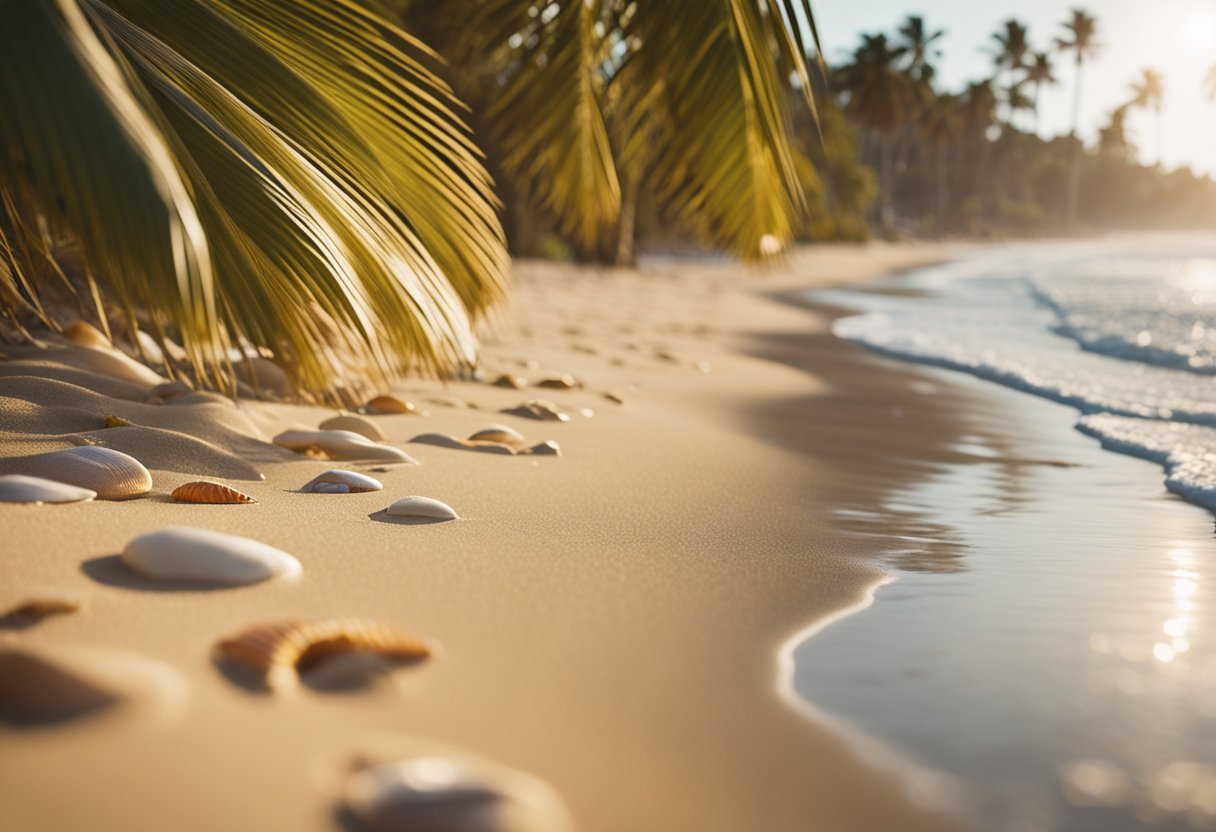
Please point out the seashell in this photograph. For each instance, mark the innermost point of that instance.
(161, 393)
(491, 448)
(180, 553)
(264, 376)
(35, 690)
(445, 793)
(389, 404)
(425, 507)
(705, 366)
(511, 380)
(562, 382)
(277, 653)
(500, 434)
(342, 482)
(539, 409)
(546, 448)
(116, 422)
(112, 474)
(17, 488)
(84, 334)
(440, 439)
(340, 444)
(111, 362)
(34, 610)
(209, 492)
(355, 424)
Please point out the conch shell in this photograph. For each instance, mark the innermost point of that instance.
(277, 653)
(209, 492)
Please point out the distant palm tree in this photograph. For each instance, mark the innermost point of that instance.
(1149, 93)
(1040, 72)
(1010, 55)
(940, 127)
(921, 47)
(1080, 39)
(880, 97)
(1112, 139)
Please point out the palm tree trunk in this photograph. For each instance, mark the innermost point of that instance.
(1074, 177)
(942, 194)
(888, 209)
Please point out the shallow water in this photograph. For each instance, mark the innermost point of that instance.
(1045, 650)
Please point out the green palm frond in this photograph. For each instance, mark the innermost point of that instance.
(342, 216)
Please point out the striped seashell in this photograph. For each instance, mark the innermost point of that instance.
(17, 488)
(389, 404)
(511, 380)
(112, 474)
(342, 482)
(209, 492)
(562, 382)
(501, 434)
(355, 424)
(340, 444)
(181, 553)
(422, 507)
(445, 792)
(539, 409)
(278, 652)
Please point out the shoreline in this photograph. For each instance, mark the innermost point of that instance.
(611, 620)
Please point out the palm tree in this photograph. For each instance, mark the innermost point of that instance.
(1112, 139)
(1081, 40)
(1010, 56)
(920, 46)
(881, 98)
(296, 176)
(1149, 93)
(1039, 72)
(940, 127)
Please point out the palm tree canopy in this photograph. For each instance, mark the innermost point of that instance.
(880, 95)
(1149, 91)
(1080, 36)
(1041, 69)
(1012, 45)
(921, 48)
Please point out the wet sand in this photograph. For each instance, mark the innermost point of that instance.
(608, 620)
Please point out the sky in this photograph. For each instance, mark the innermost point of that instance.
(1175, 37)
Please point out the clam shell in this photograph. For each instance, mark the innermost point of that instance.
(278, 652)
(422, 507)
(340, 444)
(112, 474)
(540, 409)
(180, 553)
(511, 380)
(562, 382)
(546, 448)
(342, 482)
(444, 793)
(389, 404)
(501, 434)
(355, 424)
(17, 488)
(209, 492)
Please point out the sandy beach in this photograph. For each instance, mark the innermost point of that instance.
(608, 620)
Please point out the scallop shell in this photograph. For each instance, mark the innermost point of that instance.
(112, 474)
(340, 444)
(278, 652)
(546, 448)
(355, 424)
(424, 507)
(17, 488)
(180, 553)
(209, 492)
(389, 404)
(540, 409)
(446, 793)
(342, 482)
(511, 380)
(562, 382)
(500, 434)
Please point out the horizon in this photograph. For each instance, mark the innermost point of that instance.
(1178, 38)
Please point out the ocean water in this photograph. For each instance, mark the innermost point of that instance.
(1044, 657)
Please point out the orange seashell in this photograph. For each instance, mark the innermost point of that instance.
(85, 334)
(278, 652)
(389, 404)
(209, 492)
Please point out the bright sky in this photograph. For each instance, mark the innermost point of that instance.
(1176, 37)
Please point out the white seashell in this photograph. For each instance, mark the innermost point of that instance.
(441, 793)
(340, 444)
(264, 376)
(342, 482)
(16, 488)
(180, 553)
(422, 507)
(440, 439)
(540, 409)
(112, 474)
(501, 434)
(492, 448)
(355, 424)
